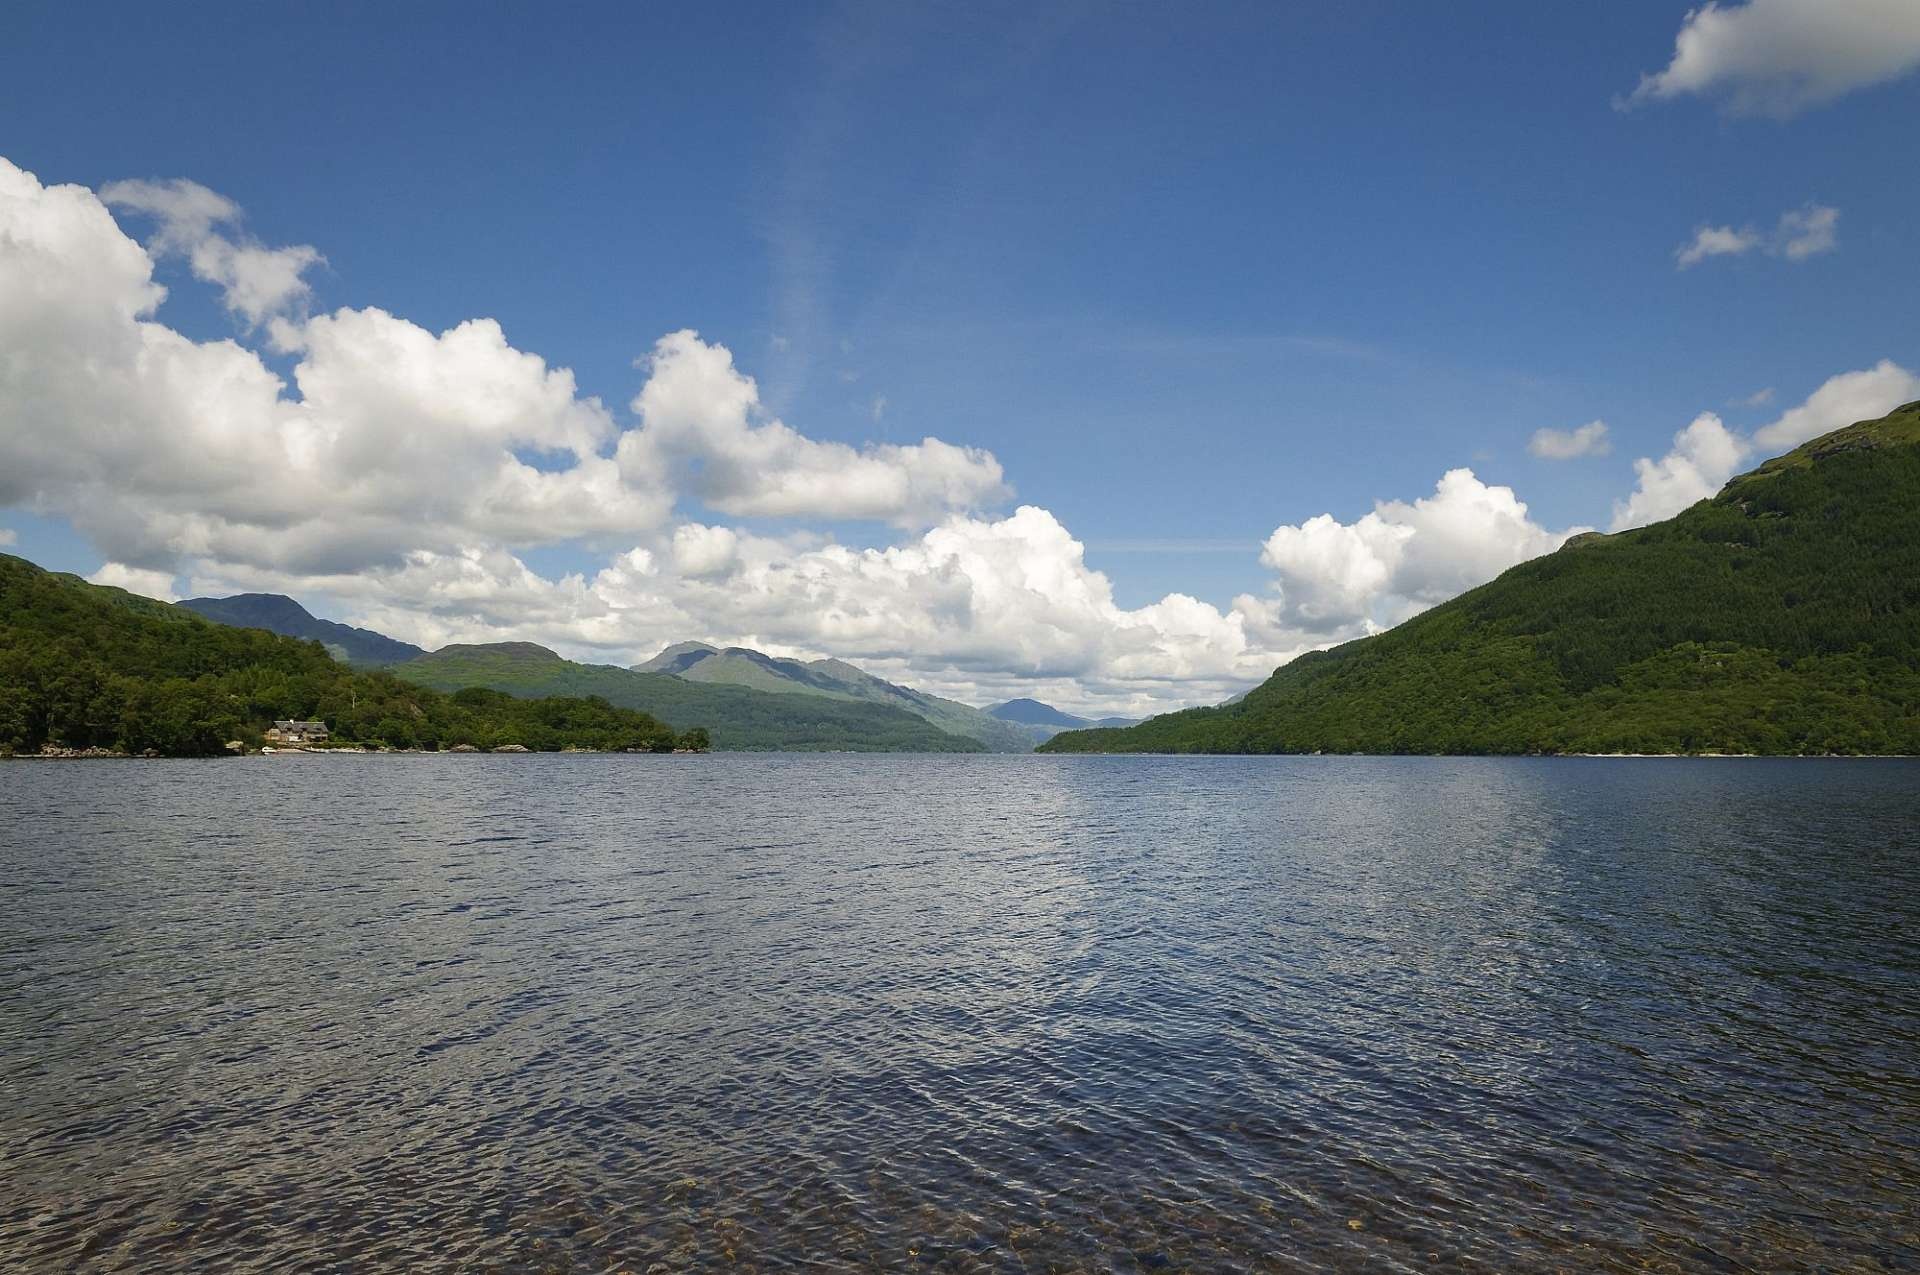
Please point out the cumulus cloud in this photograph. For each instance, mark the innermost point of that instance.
(1704, 455)
(977, 607)
(702, 421)
(1852, 396)
(398, 439)
(1779, 57)
(1800, 233)
(256, 282)
(1569, 444)
(7, 536)
(1401, 558)
(152, 584)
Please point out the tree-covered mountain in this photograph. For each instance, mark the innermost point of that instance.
(87, 666)
(834, 679)
(1780, 616)
(277, 613)
(739, 717)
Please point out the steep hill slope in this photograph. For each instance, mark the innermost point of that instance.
(1781, 616)
(277, 613)
(739, 718)
(834, 679)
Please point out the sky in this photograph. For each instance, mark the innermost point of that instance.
(1107, 354)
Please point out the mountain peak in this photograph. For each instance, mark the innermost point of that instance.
(1031, 712)
(514, 650)
(278, 613)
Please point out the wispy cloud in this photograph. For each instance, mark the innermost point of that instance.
(1799, 234)
(1568, 444)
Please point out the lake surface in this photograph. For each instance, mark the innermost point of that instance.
(959, 1014)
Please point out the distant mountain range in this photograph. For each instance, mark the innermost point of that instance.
(277, 613)
(1041, 722)
(739, 717)
(747, 699)
(832, 679)
(1780, 616)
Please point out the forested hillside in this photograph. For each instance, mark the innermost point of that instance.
(1781, 616)
(85, 666)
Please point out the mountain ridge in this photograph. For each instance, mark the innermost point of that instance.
(834, 679)
(739, 718)
(278, 613)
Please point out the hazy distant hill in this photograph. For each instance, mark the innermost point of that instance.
(1041, 722)
(1780, 616)
(740, 717)
(832, 679)
(277, 613)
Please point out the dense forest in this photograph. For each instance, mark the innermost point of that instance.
(85, 666)
(740, 718)
(1781, 616)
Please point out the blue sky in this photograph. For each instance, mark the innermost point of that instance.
(1190, 273)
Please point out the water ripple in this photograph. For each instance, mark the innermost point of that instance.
(960, 1014)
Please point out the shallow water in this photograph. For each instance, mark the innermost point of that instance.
(959, 1013)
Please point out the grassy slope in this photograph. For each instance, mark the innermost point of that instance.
(739, 718)
(1782, 616)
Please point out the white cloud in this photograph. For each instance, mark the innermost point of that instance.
(152, 584)
(1799, 234)
(1779, 57)
(257, 282)
(1401, 558)
(702, 421)
(978, 608)
(1808, 233)
(1704, 455)
(1569, 444)
(161, 448)
(1849, 397)
(1759, 398)
(7, 536)
(1716, 241)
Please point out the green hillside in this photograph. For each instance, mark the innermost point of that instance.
(1781, 616)
(85, 666)
(835, 679)
(740, 718)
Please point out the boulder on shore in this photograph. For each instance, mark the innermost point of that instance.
(513, 748)
(463, 748)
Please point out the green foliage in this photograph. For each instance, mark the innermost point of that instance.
(696, 740)
(1782, 616)
(84, 666)
(740, 719)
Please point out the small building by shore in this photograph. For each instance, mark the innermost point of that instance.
(297, 732)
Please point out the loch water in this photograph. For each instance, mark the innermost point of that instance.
(890, 1013)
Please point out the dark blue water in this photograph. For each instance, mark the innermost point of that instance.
(959, 1014)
